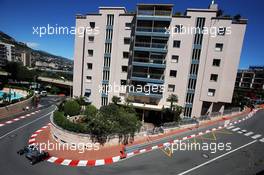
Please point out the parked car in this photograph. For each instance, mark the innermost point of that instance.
(43, 93)
(33, 154)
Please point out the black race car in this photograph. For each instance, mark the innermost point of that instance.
(33, 154)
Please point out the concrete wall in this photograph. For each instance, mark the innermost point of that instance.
(64, 136)
(15, 108)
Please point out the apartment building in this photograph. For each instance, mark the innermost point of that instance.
(151, 48)
(251, 78)
(26, 58)
(7, 53)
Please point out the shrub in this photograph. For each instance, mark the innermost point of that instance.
(90, 112)
(63, 122)
(71, 108)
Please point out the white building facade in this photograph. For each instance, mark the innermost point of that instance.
(152, 48)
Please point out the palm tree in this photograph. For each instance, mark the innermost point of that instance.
(116, 100)
(173, 98)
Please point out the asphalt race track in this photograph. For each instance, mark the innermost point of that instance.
(245, 158)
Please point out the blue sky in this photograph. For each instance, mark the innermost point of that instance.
(17, 18)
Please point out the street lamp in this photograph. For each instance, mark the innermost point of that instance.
(63, 78)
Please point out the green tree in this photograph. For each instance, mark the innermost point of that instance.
(172, 99)
(90, 112)
(116, 100)
(71, 108)
(54, 90)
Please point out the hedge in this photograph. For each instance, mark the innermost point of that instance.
(63, 122)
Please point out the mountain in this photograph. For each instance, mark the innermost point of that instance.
(41, 54)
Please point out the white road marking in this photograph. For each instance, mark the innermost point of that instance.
(116, 158)
(262, 140)
(142, 150)
(244, 130)
(8, 122)
(154, 147)
(249, 133)
(239, 132)
(66, 162)
(236, 129)
(99, 162)
(82, 163)
(25, 125)
(256, 136)
(52, 159)
(216, 158)
(1, 125)
(230, 127)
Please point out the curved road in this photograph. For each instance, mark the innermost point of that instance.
(246, 156)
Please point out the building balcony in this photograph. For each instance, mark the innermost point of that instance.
(148, 62)
(161, 15)
(148, 77)
(105, 81)
(149, 94)
(107, 54)
(151, 47)
(104, 94)
(149, 31)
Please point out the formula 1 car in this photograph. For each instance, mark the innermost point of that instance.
(33, 154)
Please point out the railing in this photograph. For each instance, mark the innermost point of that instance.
(153, 45)
(149, 60)
(150, 29)
(154, 13)
(148, 75)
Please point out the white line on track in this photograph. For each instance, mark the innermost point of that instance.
(1, 137)
(249, 133)
(216, 158)
(256, 136)
(236, 129)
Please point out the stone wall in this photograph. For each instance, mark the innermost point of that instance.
(15, 108)
(63, 136)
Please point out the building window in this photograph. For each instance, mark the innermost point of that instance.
(178, 28)
(91, 38)
(176, 43)
(88, 78)
(92, 25)
(87, 93)
(104, 101)
(123, 82)
(216, 62)
(107, 62)
(171, 88)
(221, 31)
(108, 47)
(109, 34)
(89, 66)
(128, 25)
(173, 73)
(90, 53)
(125, 54)
(211, 92)
(175, 58)
(214, 77)
(124, 68)
(126, 40)
(110, 20)
(219, 47)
